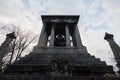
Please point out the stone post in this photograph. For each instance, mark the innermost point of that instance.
(67, 35)
(6, 47)
(77, 36)
(115, 48)
(52, 35)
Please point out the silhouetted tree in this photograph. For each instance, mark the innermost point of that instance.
(23, 39)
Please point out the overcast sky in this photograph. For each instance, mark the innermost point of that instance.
(96, 18)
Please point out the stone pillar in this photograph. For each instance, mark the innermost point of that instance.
(67, 35)
(6, 47)
(73, 40)
(115, 48)
(52, 35)
(45, 39)
(77, 36)
(42, 36)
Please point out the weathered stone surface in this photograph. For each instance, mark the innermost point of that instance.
(43, 77)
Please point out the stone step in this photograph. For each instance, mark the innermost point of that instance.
(32, 62)
(26, 68)
(51, 56)
(71, 57)
(86, 59)
(54, 54)
(87, 63)
(43, 77)
(49, 60)
(45, 62)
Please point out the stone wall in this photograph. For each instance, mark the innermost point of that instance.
(43, 77)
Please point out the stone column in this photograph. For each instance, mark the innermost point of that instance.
(115, 48)
(77, 36)
(42, 36)
(52, 35)
(67, 33)
(45, 39)
(6, 46)
(73, 40)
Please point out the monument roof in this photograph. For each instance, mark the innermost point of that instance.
(60, 18)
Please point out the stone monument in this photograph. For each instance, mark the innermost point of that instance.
(5, 47)
(115, 48)
(59, 55)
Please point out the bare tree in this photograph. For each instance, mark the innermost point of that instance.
(23, 39)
